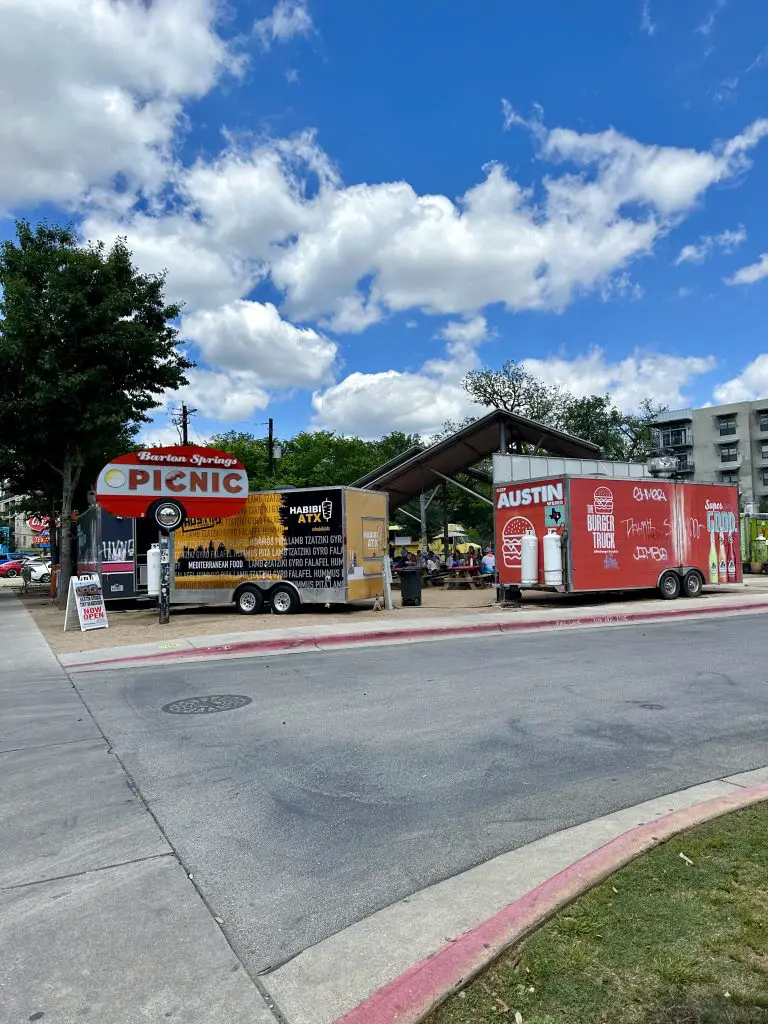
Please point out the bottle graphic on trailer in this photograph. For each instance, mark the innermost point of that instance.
(722, 562)
(713, 577)
(731, 560)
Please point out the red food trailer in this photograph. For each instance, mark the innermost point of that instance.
(574, 534)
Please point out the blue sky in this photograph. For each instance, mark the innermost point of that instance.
(358, 203)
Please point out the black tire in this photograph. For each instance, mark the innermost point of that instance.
(249, 600)
(669, 586)
(692, 584)
(45, 578)
(11, 573)
(284, 600)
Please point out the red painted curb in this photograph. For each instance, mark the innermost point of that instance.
(409, 998)
(414, 633)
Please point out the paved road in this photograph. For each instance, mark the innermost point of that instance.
(357, 777)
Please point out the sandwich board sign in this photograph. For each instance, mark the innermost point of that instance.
(87, 598)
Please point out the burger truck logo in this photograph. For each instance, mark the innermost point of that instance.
(172, 483)
(601, 521)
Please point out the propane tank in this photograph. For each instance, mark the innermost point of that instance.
(153, 570)
(529, 559)
(553, 559)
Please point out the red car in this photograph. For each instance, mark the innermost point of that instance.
(11, 568)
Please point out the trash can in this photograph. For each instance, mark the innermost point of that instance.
(410, 584)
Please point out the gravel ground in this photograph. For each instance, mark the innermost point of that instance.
(139, 624)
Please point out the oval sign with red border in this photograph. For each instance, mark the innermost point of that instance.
(205, 482)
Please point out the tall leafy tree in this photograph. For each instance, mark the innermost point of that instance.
(87, 346)
(517, 391)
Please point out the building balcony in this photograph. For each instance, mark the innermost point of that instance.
(673, 416)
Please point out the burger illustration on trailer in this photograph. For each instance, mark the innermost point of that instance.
(603, 501)
(511, 540)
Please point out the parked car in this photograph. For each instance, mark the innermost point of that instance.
(40, 569)
(11, 568)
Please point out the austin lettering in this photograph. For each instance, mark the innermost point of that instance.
(539, 495)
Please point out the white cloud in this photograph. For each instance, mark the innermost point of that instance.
(292, 76)
(251, 337)
(466, 332)
(289, 18)
(684, 293)
(372, 404)
(751, 274)
(706, 27)
(629, 381)
(750, 385)
(92, 89)
(647, 24)
(727, 241)
(199, 274)
(227, 395)
(418, 401)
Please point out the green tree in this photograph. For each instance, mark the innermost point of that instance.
(312, 458)
(87, 346)
(624, 436)
(515, 389)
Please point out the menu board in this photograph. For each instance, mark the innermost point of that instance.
(293, 535)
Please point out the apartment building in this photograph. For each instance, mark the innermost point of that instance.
(725, 444)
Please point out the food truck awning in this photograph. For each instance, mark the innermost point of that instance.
(409, 475)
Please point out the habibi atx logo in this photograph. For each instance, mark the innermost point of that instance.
(313, 513)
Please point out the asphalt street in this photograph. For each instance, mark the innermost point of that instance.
(357, 777)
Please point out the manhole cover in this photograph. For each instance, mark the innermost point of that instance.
(206, 705)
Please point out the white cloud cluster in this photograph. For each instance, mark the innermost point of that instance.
(93, 89)
(92, 96)
(750, 385)
(419, 401)
(752, 273)
(727, 242)
(289, 18)
(631, 380)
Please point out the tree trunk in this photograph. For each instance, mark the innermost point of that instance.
(70, 473)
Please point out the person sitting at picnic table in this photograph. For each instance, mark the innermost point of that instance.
(471, 558)
(488, 564)
(449, 562)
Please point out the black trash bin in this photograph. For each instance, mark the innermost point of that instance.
(410, 584)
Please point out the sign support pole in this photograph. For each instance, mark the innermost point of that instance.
(165, 579)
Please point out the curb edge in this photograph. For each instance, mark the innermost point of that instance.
(332, 640)
(419, 990)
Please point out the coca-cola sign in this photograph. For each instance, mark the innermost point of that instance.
(38, 524)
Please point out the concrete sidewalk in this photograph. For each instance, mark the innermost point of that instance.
(556, 612)
(98, 919)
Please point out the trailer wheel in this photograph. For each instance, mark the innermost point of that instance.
(692, 584)
(284, 600)
(249, 600)
(669, 586)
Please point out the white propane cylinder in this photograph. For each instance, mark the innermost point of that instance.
(553, 559)
(153, 570)
(529, 559)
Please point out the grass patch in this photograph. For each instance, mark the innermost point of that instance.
(660, 942)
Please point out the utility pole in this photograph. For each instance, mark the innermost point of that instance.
(182, 420)
(271, 448)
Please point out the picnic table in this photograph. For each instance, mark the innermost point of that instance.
(458, 576)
